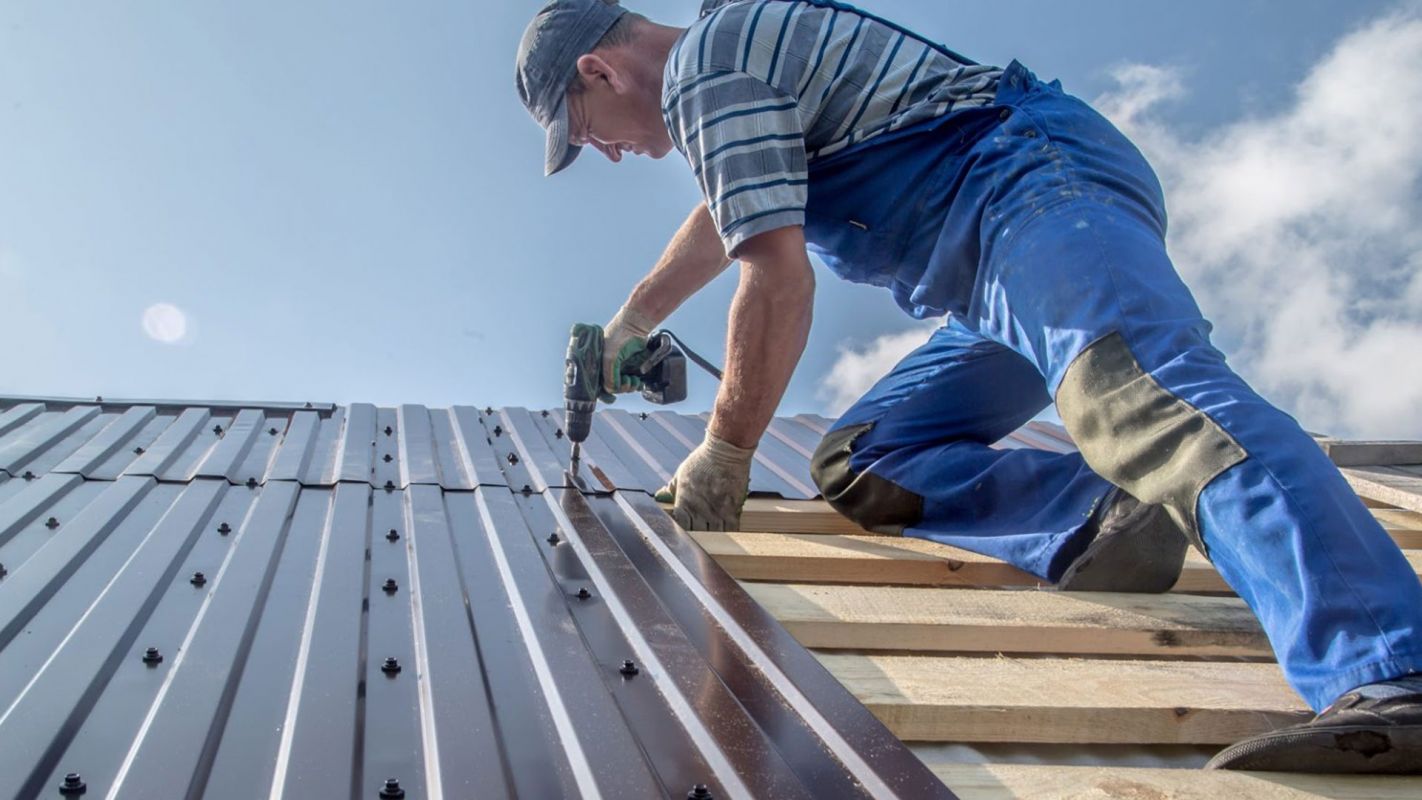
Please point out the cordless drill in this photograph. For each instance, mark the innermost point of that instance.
(661, 368)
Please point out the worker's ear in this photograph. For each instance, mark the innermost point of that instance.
(601, 73)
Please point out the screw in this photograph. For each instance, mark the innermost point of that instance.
(553, 538)
(217, 429)
(98, 398)
(308, 404)
(138, 451)
(391, 790)
(389, 430)
(392, 536)
(390, 486)
(629, 668)
(51, 523)
(271, 431)
(391, 666)
(544, 412)
(390, 587)
(513, 458)
(388, 458)
(642, 416)
(558, 433)
(584, 594)
(699, 792)
(198, 579)
(29, 476)
(73, 784)
(251, 483)
(152, 657)
(3, 571)
(224, 529)
(488, 411)
(526, 490)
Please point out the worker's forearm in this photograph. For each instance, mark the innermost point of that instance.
(694, 256)
(769, 325)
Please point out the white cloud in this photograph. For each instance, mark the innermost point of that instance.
(166, 323)
(857, 368)
(1300, 233)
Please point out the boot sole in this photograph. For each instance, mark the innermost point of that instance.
(1337, 749)
(1145, 561)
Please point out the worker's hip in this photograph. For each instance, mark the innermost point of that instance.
(923, 211)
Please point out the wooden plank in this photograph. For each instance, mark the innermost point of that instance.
(1374, 453)
(955, 699)
(965, 620)
(1390, 485)
(885, 560)
(1405, 527)
(1050, 782)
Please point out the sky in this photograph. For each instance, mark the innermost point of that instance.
(344, 201)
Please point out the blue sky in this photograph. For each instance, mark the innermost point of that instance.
(346, 201)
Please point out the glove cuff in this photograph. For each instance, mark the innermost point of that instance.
(724, 452)
(633, 322)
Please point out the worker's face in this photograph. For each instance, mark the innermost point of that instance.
(615, 113)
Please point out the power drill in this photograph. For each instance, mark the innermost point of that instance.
(661, 369)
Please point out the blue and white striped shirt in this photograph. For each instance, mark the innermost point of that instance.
(756, 89)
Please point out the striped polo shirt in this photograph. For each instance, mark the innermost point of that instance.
(756, 89)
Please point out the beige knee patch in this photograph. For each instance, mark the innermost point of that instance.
(1139, 436)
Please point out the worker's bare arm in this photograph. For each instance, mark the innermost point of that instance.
(692, 258)
(770, 322)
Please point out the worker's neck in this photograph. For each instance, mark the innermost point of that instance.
(656, 44)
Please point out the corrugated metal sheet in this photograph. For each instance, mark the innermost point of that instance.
(337, 596)
(454, 448)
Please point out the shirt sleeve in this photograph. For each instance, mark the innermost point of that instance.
(746, 146)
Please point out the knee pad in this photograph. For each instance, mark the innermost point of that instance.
(877, 504)
(1138, 435)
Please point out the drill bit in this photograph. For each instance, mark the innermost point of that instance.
(577, 451)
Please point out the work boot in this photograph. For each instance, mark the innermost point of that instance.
(1136, 548)
(1358, 734)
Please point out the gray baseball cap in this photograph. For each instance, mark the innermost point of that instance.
(560, 33)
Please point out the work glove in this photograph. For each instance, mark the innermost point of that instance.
(624, 340)
(710, 486)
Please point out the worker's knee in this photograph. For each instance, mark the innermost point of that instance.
(875, 503)
(1140, 436)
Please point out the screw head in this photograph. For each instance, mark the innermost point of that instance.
(29, 476)
(553, 538)
(387, 458)
(513, 458)
(73, 784)
(52, 523)
(389, 486)
(391, 666)
(138, 451)
(198, 579)
(3, 571)
(390, 790)
(224, 529)
(583, 593)
(271, 431)
(558, 433)
(629, 668)
(498, 430)
(642, 416)
(389, 430)
(699, 792)
(251, 483)
(544, 412)
(390, 586)
(392, 536)
(488, 411)
(217, 429)
(526, 490)
(152, 657)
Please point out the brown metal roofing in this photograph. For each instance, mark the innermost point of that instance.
(280, 601)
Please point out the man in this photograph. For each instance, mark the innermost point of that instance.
(993, 198)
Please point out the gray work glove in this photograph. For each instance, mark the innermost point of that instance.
(710, 486)
(623, 338)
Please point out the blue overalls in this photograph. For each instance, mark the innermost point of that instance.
(1040, 230)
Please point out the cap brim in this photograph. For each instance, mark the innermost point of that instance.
(558, 153)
